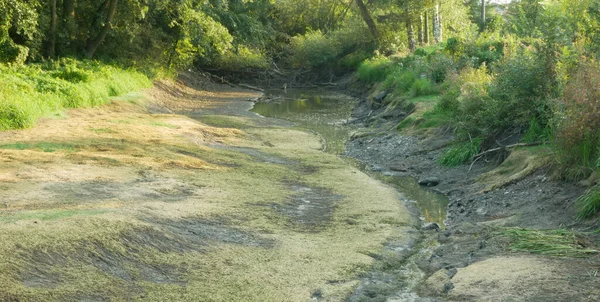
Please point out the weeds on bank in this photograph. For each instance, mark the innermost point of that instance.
(461, 153)
(589, 203)
(35, 90)
(547, 242)
(44, 146)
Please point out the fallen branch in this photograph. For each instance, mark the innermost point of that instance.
(251, 87)
(506, 147)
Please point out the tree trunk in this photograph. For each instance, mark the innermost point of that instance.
(426, 27)
(412, 44)
(68, 9)
(367, 17)
(437, 25)
(482, 15)
(51, 50)
(96, 42)
(421, 33)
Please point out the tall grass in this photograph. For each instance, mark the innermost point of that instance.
(589, 203)
(461, 153)
(32, 91)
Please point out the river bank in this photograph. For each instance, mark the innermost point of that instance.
(498, 214)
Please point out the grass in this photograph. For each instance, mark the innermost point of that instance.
(589, 203)
(460, 153)
(44, 146)
(161, 124)
(32, 91)
(547, 242)
(374, 70)
(47, 215)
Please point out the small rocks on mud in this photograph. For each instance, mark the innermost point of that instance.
(429, 181)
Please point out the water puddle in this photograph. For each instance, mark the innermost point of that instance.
(327, 114)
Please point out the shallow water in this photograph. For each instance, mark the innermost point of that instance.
(327, 113)
(323, 112)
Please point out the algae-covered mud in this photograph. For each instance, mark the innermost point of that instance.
(120, 204)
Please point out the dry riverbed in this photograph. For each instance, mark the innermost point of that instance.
(138, 201)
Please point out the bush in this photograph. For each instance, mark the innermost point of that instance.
(375, 69)
(242, 59)
(400, 80)
(313, 49)
(439, 67)
(578, 137)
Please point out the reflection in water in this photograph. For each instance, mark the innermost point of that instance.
(323, 112)
(326, 114)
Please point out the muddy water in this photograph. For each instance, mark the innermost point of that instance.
(327, 113)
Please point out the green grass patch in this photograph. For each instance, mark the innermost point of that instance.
(547, 242)
(460, 153)
(422, 87)
(43, 146)
(589, 203)
(31, 91)
(161, 124)
(46, 215)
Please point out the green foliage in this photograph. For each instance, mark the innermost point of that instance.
(461, 153)
(578, 136)
(589, 203)
(422, 87)
(537, 132)
(244, 58)
(312, 50)
(439, 67)
(546, 242)
(33, 91)
(44, 146)
(375, 69)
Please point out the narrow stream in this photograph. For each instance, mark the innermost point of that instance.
(327, 113)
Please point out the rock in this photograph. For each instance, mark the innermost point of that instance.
(429, 181)
(590, 181)
(380, 96)
(438, 282)
(376, 168)
(398, 168)
(431, 226)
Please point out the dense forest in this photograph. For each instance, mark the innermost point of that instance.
(525, 68)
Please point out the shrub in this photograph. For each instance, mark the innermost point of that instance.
(578, 134)
(375, 69)
(243, 58)
(313, 49)
(439, 67)
(400, 80)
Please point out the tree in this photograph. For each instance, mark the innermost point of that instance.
(367, 18)
(93, 45)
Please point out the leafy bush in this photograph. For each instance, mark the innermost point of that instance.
(313, 49)
(244, 58)
(461, 153)
(375, 69)
(439, 67)
(400, 80)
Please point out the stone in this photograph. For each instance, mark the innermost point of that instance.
(398, 168)
(380, 96)
(429, 181)
(431, 226)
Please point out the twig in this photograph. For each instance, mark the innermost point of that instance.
(506, 147)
